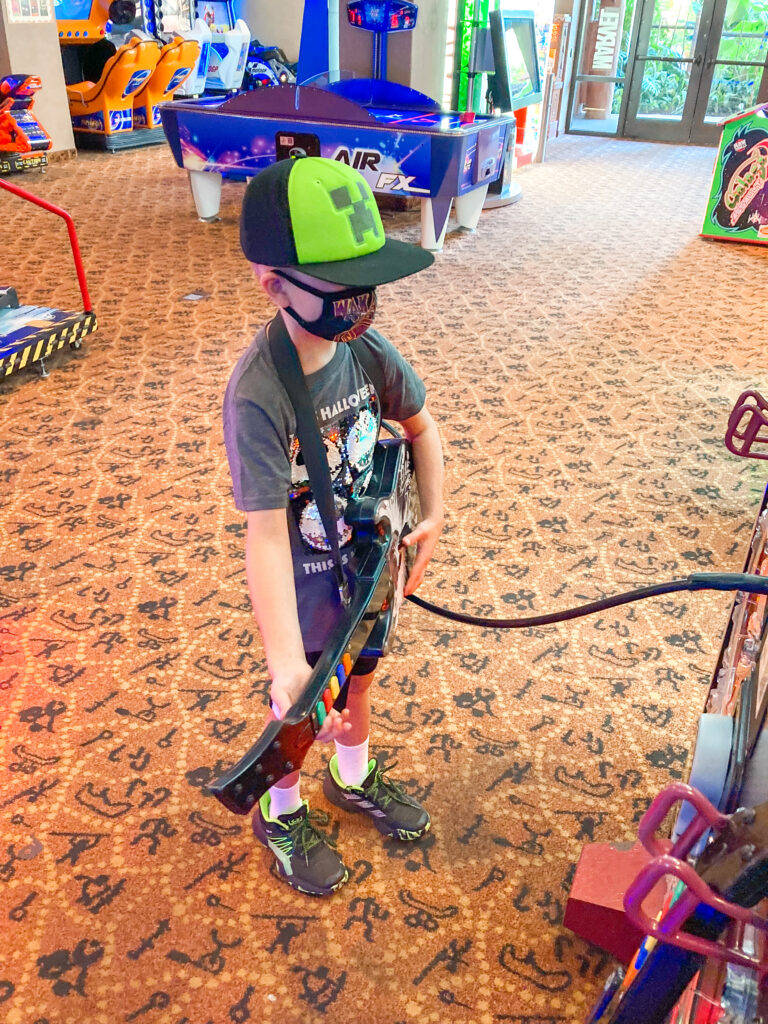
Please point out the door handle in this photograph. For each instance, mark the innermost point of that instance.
(698, 59)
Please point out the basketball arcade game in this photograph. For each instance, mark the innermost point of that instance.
(30, 334)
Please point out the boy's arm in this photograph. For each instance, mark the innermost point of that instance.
(421, 430)
(269, 571)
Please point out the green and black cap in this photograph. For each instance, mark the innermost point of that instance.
(319, 216)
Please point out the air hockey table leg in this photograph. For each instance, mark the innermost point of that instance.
(434, 220)
(206, 191)
(469, 207)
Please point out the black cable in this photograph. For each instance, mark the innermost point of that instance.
(696, 581)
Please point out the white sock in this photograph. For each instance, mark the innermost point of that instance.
(352, 763)
(284, 799)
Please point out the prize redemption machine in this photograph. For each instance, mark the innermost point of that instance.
(23, 140)
(687, 915)
(737, 210)
(119, 68)
(29, 334)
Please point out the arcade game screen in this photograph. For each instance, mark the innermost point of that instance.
(520, 78)
(72, 10)
(216, 12)
(516, 81)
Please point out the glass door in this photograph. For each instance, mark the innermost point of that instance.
(695, 63)
(597, 85)
(734, 76)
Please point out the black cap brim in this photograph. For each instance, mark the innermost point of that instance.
(393, 261)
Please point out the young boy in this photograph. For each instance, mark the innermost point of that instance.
(312, 232)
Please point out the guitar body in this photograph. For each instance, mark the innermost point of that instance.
(380, 519)
(393, 501)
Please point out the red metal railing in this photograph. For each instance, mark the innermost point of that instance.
(70, 228)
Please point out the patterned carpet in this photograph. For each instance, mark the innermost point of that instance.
(581, 354)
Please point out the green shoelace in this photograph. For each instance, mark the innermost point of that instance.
(306, 836)
(384, 791)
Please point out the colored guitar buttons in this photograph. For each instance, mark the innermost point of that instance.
(332, 691)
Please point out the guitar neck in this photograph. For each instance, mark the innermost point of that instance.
(283, 745)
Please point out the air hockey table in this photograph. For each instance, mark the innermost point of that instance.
(398, 138)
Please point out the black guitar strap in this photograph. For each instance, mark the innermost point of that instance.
(289, 370)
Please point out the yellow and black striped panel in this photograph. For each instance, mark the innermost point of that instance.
(43, 343)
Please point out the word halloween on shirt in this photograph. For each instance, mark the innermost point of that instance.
(328, 412)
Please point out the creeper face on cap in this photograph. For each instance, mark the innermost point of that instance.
(333, 213)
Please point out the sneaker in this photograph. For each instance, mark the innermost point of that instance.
(394, 813)
(306, 858)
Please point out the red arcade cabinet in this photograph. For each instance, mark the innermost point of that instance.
(23, 140)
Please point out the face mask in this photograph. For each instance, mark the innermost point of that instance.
(345, 314)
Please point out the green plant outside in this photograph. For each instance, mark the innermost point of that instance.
(665, 84)
(469, 93)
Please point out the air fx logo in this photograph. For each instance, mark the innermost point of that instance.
(388, 181)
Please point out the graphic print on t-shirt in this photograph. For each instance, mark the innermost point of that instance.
(349, 439)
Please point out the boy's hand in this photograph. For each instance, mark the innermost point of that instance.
(426, 535)
(288, 686)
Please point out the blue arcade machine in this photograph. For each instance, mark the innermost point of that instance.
(230, 39)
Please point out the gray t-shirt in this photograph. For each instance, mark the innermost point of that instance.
(268, 470)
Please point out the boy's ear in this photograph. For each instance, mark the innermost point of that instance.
(272, 285)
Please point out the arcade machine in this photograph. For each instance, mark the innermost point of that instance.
(381, 20)
(500, 48)
(515, 86)
(266, 65)
(118, 70)
(174, 18)
(737, 210)
(230, 39)
(29, 334)
(23, 140)
(694, 949)
(471, 22)
(194, 85)
(398, 138)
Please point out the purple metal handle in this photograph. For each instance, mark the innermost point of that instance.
(748, 426)
(697, 892)
(707, 816)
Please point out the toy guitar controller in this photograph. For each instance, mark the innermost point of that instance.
(380, 519)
